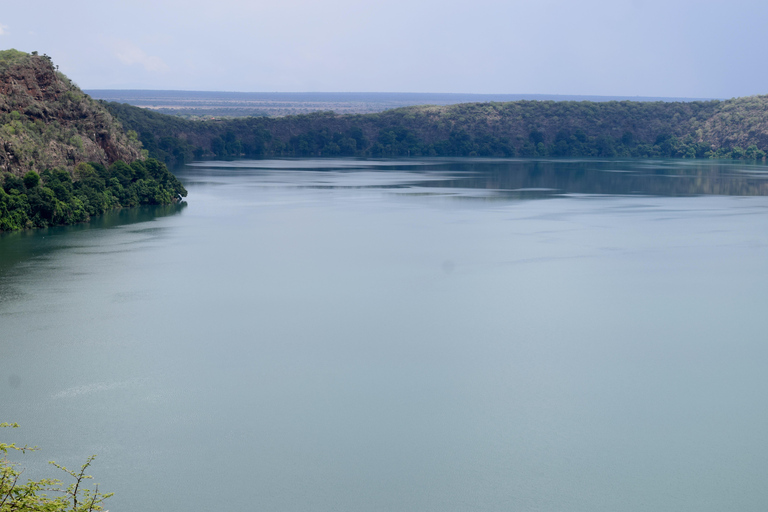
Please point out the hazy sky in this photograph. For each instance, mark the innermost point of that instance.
(595, 47)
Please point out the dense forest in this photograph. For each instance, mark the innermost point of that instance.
(57, 197)
(713, 129)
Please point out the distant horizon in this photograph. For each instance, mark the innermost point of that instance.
(105, 91)
(218, 104)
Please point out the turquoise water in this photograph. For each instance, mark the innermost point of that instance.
(426, 335)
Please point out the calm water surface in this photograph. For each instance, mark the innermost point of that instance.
(419, 335)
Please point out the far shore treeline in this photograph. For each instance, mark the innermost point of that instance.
(732, 129)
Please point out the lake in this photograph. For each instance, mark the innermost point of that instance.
(409, 335)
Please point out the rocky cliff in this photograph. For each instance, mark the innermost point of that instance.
(46, 121)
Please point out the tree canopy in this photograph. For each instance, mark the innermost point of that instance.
(699, 129)
(59, 197)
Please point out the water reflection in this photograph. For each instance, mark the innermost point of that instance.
(540, 179)
(504, 179)
(23, 246)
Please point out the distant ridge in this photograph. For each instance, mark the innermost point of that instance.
(736, 128)
(203, 104)
(440, 98)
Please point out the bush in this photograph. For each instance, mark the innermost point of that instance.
(32, 496)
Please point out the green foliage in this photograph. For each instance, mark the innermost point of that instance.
(11, 57)
(698, 129)
(31, 180)
(55, 198)
(33, 495)
(159, 134)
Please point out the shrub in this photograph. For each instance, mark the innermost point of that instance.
(32, 496)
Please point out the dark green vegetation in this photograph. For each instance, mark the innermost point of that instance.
(57, 197)
(33, 495)
(735, 128)
(62, 155)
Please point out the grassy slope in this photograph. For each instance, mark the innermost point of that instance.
(46, 121)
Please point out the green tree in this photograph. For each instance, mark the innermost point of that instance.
(32, 496)
(31, 179)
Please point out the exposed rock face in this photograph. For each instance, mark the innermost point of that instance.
(46, 121)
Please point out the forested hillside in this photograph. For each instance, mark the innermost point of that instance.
(713, 129)
(63, 157)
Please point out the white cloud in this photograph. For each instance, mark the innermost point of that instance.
(3, 29)
(130, 54)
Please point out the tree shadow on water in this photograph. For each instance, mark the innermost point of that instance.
(18, 247)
